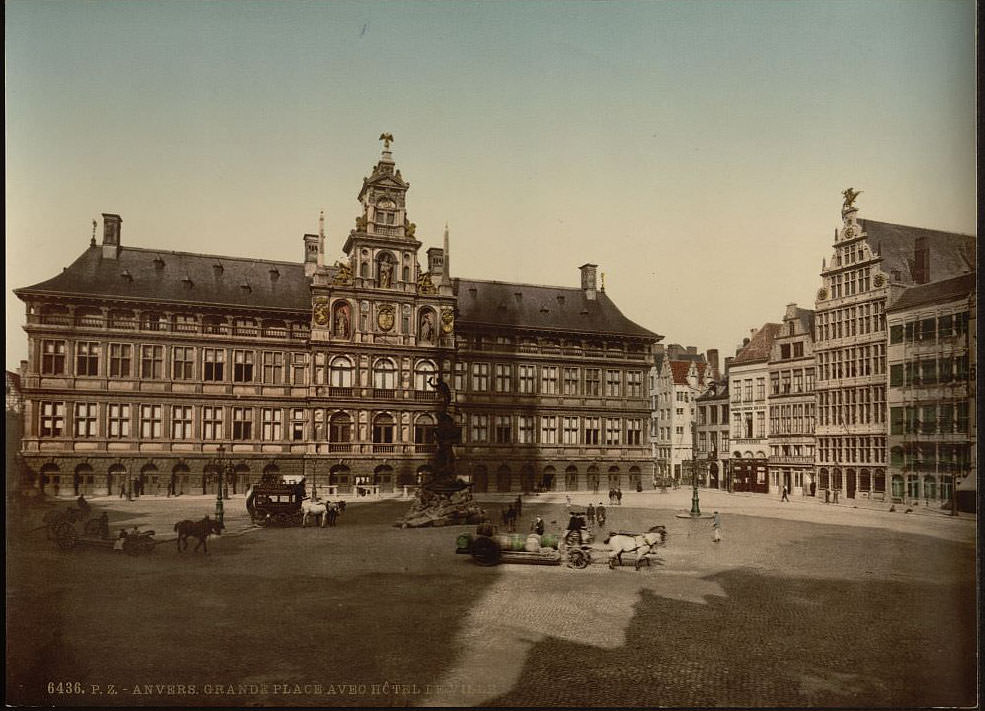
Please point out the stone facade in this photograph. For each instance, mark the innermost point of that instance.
(748, 378)
(150, 369)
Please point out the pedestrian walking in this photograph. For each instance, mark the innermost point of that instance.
(716, 525)
(519, 505)
(538, 526)
(784, 497)
(619, 496)
(590, 514)
(600, 514)
(567, 498)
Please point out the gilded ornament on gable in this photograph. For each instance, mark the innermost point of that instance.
(319, 311)
(425, 285)
(822, 294)
(849, 232)
(878, 280)
(343, 274)
(385, 317)
(447, 320)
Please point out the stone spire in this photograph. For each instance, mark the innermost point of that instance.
(321, 239)
(446, 269)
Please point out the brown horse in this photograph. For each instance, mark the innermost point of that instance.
(196, 529)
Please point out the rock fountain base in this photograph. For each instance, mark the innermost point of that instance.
(445, 503)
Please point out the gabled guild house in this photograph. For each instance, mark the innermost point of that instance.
(152, 369)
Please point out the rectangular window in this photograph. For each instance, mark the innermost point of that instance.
(592, 430)
(748, 391)
(182, 363)
(242, 366)
(273, 368)
(213, 362)
(480, 428)
(761, 386)
(525, 429)
(634, 432)
(212, 423)
(784, 351)
(634, 384)
(548, 380)
(150, 421)
(613, 431)
(85, 419)
(570, 430)
(896, 375)
(120, 357)
(504, 429)
(571, 381)
(896, 333)
(613, 383)
(528, 374)
(51, 419)
(798, 349)
(118, 420)
(503, 378)
(242, 423)
(152, 362)
(52, 357)
(181, 422)
(271, 421)
(480, 377)
(593, 381)
(548, 429)
(299, 369)
(87, 358)
(297, 424)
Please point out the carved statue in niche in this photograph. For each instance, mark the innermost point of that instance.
(361, 223)
(386, 273)
(425, 285)
(409, 228)
(342, 320)
(427, 327)
(343, 274)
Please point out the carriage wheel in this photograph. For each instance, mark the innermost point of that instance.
(577, 558)
(485, 551)
(66, 536)
(261, 519)
(282, 519)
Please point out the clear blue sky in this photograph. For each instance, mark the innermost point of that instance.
(696, 151)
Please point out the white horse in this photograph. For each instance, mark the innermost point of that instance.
(314, 508)
(640, 543)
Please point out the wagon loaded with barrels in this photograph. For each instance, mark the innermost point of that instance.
(75, 528)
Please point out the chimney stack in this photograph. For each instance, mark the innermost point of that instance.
(588, 279)
(921, 261)
(712, 357)
(112, 225)
(728, 365)
(311, 243)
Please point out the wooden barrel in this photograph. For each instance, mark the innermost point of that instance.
(511, 541)
(485, 529)
(463, 542)
(532, 544)
(549, 540)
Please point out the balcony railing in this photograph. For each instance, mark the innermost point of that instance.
(384, 448)
(339, 392)
(340, 447)
(425, 395)
(384, 394)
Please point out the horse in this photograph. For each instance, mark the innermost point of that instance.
(197, 529)
(314, 508)
(640, 543)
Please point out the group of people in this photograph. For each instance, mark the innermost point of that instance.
(615, 496)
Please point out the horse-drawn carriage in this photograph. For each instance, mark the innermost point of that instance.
(275, 502)
(574, 546)
(61, 528)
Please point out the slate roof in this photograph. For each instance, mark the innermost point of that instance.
(162, 276)
(542, 308)
(759, 346)
(936, 291)
(950, 253)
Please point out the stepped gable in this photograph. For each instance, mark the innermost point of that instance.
(680, 368)
(760, 346)
(950, 253)
(936, 291)
(542, 308)
(158, 275)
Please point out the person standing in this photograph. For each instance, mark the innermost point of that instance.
(590, 514)
(538, 526)
(600, 514)
(519, 505)
(785, 497)
(716, 525)
(619, 495)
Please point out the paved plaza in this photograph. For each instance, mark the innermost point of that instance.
(801, 604)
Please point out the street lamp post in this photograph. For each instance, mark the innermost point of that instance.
(220, 475)
(695, 505)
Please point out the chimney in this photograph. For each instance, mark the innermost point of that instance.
(728, 366)
(310, 254)
(921, 261)
(712, 357)
(436, 263)
(111, 235)
(588, 272)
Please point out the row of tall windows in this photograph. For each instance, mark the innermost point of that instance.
(849, 321)
(742, 390)
(794, 418)
(119, 319)
(554, 429)
(929, 371)
(860, 450)
(786, 382)
(849, 283)
(852, 362)
(850, 406)
(552, 380)
(931, 456)
(930, 330)
(934, 418)
(749, 425)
